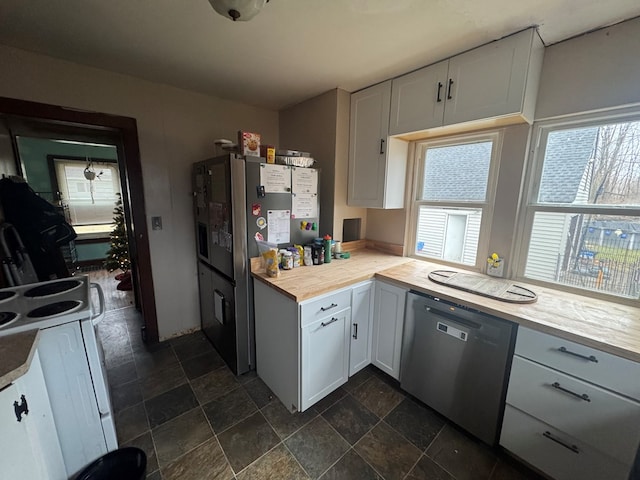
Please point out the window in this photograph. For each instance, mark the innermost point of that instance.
(454, 194)
(90, 203)
(582, 222)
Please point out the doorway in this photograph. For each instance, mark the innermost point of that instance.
(52, 121)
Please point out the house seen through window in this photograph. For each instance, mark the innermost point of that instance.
(583, 214)
(453, 197)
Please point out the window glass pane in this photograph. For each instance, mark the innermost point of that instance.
(448, 234)
(593, 165)
(89, 202)
(595, 252)
(457, 172)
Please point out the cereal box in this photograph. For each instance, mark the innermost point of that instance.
(249, 143)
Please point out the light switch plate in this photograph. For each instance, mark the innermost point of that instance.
(156, 223)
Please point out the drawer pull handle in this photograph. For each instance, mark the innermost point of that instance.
(590, 358)
(333, 305)
(333, 319)
(439, 89)
(583, 396)
(355, 331)
(573, 448)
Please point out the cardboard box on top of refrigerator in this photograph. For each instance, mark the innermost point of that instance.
(249, 143)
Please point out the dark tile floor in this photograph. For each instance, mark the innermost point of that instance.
(196, 420)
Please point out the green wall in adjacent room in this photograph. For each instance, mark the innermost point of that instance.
(92, 251)
(33, 156)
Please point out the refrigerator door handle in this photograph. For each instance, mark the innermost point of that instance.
(218, 306)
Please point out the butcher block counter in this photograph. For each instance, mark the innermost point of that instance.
(606, 326)
(302, 283)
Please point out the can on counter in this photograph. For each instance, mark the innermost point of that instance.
(287, 260)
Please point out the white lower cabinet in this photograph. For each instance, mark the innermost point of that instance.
(30, 447)
(388, 321)
(566, 425)
(324, 356)
(361, 318)
(306, 350)
(554, 452)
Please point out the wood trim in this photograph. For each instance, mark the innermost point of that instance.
(390, 248)
(128, 131)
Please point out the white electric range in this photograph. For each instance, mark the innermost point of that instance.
(72, 361)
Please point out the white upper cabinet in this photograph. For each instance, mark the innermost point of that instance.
(497, 80)
(417, 99)
(377, 163)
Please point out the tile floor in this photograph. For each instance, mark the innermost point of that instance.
(195, 420)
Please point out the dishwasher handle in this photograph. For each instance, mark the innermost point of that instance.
(453, 318)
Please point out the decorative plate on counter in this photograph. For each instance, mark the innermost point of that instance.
(498, 289)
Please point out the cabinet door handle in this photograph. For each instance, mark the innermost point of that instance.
(355, 331)
(333, 305)
(381, 146)
(20, 408)
(590, 358)
(449, 97)
(583, 396)
(439, 90)
(333, 319)
(573, 448)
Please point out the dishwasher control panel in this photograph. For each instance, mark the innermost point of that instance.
(453, 331)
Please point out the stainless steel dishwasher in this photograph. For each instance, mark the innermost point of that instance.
(457, 361)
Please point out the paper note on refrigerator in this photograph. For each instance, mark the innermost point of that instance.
(304, 180)
(275, 178)
(278, 226)
(304, 205)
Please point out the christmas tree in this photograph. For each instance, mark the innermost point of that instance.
(118, 254)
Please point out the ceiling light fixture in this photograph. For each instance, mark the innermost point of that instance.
(242, 10)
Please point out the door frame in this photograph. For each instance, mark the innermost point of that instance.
(128, 131)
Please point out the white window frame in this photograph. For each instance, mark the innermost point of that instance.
(529, 200)
(420, 147)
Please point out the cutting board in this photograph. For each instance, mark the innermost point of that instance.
(496, 288)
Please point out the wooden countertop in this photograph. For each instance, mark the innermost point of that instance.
(607, 326)
(306, 282)
(16, 353)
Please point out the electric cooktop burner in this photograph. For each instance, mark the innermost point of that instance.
(54, 309)
(52, 288)
(6, 317)
(6, 295)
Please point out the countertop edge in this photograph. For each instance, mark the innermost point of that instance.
(320, 291)
(20, 349)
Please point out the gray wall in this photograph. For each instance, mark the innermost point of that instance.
(175, 129)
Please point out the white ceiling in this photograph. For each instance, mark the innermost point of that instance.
(294, 49)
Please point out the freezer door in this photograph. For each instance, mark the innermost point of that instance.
(221, 323)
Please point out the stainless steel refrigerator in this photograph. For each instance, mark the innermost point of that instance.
(238, 199)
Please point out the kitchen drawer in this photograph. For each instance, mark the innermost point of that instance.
(528, 438)
(612, 372)
(318, 308)
(602, 419)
